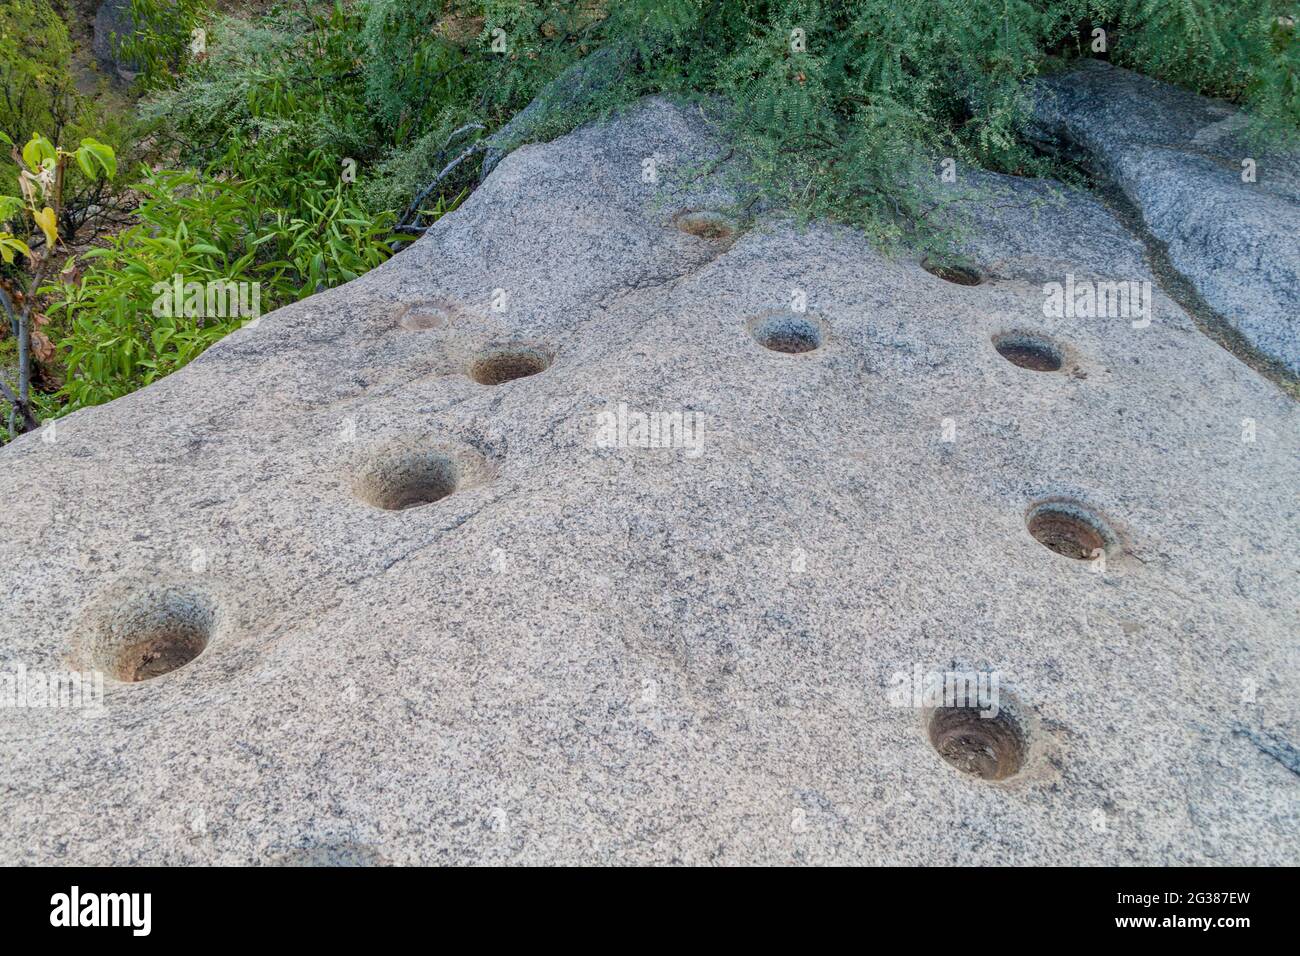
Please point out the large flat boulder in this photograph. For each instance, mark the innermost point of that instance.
(1226, 208)
(355, 603)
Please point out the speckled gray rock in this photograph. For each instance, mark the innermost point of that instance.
(574, 89)
(1229, 214)
(593, 651)
(113, 23)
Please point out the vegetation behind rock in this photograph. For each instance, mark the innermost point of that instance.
(296, 147)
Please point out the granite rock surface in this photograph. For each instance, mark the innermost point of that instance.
(593, 529)
(1226, 208)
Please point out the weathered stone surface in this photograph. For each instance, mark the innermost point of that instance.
(622, 654)
(1179, 158)
(574, 89)
(113, 23)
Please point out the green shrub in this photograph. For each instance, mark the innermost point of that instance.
(39, 94)
(163, 39)
(481, 60)
(290, 81)
(1246, 52)
(119, 334)
(262, 126)
(35, 69)
(839, 107)
(844, 124)
(30, 235)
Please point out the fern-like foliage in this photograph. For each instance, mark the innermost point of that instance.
(840, 106)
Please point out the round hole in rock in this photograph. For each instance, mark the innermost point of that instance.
(1028, 351)
(423, 316)
(705, 224)
(507, 363)
(1070, 529)
(153, 631)
(407, 478)
(787, 333)
(951, 272)
(160, 653)
(983, 743)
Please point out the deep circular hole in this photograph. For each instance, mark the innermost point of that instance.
(1070, 530)
(507, 364)
(160, 653)
(407, 479)
(1028, 351)
(956, 274)
(787, 333)
(150, 632)
(706, 225)
(979, 742)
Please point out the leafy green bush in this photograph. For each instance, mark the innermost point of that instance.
(266, 122)
(480, 56)
(163, 39)
(35, 68)
(838, 105)
(34, 218)
(1246, 52)
(38, 93)
(290, 81)
(123, 330)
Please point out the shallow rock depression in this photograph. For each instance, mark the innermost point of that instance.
(601, 527)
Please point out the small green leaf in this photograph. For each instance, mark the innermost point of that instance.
(101, 153)
(9, 245)
(37, 151)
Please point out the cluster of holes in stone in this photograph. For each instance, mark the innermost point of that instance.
(1070, 529)
(1028, 351)
(988, 747)
(408, 479)
(984, 744)
(950, 272)
(503, 364)
(787, 333)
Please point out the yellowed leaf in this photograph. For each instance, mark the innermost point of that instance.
(46, 220)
